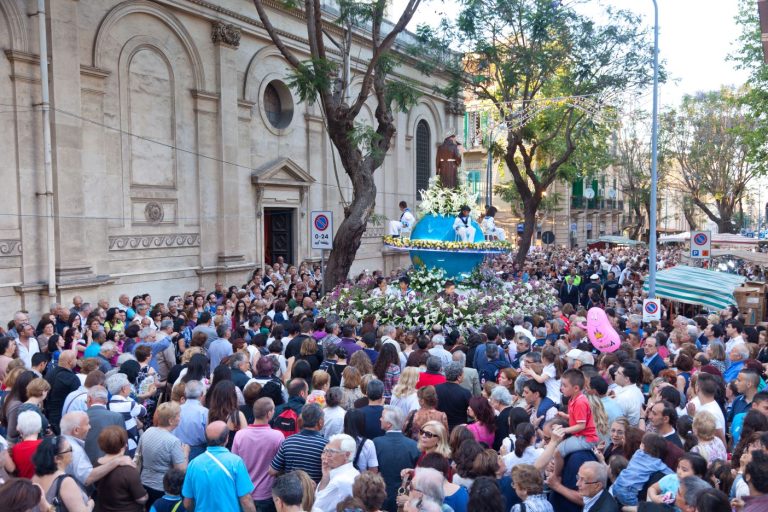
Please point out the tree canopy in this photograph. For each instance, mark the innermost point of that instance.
(549, 73)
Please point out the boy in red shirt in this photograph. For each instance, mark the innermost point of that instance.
(581, 424)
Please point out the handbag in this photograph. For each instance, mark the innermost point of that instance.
(138, 458)
(404, 490)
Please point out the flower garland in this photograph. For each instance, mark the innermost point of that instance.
(471, 310)
(410, 243)
(438, 200)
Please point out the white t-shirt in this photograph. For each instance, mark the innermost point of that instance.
(714, 410)
(631, 401)
(530, 455)
(552, 383)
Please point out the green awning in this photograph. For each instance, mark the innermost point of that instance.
(693, 285)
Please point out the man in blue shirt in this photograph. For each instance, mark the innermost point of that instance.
(217, 479)
(738, 355)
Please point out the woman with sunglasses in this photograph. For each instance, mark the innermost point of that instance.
(51, 460)
(433, 438)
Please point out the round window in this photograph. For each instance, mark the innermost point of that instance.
(278, 104)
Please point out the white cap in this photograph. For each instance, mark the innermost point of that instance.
(580, 355)
(594, 277)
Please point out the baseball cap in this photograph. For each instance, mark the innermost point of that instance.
(580, 355)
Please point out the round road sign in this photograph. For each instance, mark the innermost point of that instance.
(700, 239)
(651, 308)
(547, 237)
(321, 223)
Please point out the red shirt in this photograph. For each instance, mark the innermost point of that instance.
(429, 379)
(21, 454)
(580, 412)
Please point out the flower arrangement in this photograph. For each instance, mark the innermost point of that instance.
(483, 278)
(410, 243)
(427, 280)
(473, 308)
(438, 200)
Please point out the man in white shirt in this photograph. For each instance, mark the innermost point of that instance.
(406, 222)
(438, 350)
(628, 395)
(27, 344)
(706, 387)
(338, 473)
(733, 329)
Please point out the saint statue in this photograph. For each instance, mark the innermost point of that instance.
(449, 160)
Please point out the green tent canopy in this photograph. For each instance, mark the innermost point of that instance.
(692, 285)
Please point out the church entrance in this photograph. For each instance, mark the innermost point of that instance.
(278, 234)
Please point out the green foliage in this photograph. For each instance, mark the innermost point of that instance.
(403, 93)
(312, 77)
(749, 56)
(365, 138)
(708, 137)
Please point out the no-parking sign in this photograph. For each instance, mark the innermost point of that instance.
(321, 230)
(701, 244)
(651, 310)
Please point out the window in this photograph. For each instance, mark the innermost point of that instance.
(423, 157)
(473, 180)
(278, 104)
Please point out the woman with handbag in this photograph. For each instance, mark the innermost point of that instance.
(62, 491)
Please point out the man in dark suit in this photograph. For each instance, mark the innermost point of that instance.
(591, 482)
(100, 418)
(63, 381)
(651, 358)
(395, 452)
(452, 398)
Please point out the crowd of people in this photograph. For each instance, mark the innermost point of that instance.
(247, 398)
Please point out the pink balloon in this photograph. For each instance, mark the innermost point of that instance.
(600, 331)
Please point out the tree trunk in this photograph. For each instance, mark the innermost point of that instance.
(529, 228)
(689, 218)
(346, 240)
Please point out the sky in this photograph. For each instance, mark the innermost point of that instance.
(695, 38)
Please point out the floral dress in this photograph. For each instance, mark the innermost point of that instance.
(391, 378)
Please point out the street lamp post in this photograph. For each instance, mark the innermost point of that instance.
(489, 165)
(654, 155)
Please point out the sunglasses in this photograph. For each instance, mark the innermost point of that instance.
(427, 434)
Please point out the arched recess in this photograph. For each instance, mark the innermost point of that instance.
(149, 108)
(425, 108)
(145, 7)
(17, 25)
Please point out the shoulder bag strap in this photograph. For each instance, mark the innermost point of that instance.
(222, 466)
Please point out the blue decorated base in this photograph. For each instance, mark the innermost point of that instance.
(454, 263)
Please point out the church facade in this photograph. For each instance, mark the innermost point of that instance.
(180, 156)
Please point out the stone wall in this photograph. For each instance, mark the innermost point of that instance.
(164, 150)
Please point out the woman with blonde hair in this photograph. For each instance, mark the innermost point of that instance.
(600, 417)
(308, 487)
(709, 445)
(404, 393)
(433, 438)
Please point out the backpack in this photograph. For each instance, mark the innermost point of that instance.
(287, 422)
(489, 373)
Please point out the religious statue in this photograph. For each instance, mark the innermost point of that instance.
(448, 160)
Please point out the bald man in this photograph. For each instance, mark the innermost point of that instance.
(63, 381)
(218, 479)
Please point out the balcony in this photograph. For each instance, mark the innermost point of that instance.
(598, 203)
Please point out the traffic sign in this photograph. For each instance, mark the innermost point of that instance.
(548, 237)
(574, 226)
(321, 230)
(701, 244)
(520, 228)
(651, 310)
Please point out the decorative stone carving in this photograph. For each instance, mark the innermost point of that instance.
(455, 107)
(9, 248)
(154, 213)
(175, 241)
(226, 34)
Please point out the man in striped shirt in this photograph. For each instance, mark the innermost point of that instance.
(303, 450)
(121, 402)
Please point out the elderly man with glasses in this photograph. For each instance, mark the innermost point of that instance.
(591, 481)
(338, 473)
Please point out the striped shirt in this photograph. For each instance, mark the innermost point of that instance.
(301, 451)
(130, 411)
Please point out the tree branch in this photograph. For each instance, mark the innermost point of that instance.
(287, 54)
